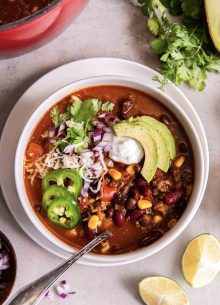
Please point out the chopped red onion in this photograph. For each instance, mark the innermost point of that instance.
(107, 137)
(69, 149)
(84, 191)
(49, 295)
(61, 129)
(97, 135)
(65, 285)
(86, 154)
(51, 132)
(102, 144)
(107, 129)
(61, 292)
(52, 141)
(107, 147)
(102, 115)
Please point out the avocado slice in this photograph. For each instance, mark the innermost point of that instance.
(162, 148)
(212, 11)
(162, 130)
(142, 135)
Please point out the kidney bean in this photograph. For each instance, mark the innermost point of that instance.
(125, 105)
(90, 233)
(180, 207)
(135, 193)
(119, 218)
(136, 214)
(149, 238)
(120, 198)
(141, 182)
(131, 204)
(164, 118)
(109, 212)
(173, 197)
(146, 192)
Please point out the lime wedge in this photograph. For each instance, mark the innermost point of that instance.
(158, 290)
(201, 260)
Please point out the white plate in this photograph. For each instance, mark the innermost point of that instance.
(38, 92)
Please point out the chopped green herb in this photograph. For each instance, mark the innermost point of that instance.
(184, 48)
(57, 117)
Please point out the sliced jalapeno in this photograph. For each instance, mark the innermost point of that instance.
(65, 177)
(53, 192)
(64, 212)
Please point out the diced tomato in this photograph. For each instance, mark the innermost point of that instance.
(35, 150)
(108, 192)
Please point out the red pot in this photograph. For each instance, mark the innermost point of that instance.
(31, 32)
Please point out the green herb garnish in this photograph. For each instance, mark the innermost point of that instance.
(78, 118)
(184, 48)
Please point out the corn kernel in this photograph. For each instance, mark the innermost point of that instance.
(171, 223)
(158, 218)
(179, 161)
(144, 204)
(130, 170)
(93, 222)
(114, 173)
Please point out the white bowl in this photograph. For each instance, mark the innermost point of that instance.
(200, 175)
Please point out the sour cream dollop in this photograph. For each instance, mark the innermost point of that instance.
(126, 150)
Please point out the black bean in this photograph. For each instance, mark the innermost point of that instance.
(182, 148)
(180, 207)
(149, 238)
(90, 233)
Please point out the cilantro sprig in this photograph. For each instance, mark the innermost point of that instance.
(78, 120)
(184, 48)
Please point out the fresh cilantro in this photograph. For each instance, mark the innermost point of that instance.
(78, 119)
(184, 48)
(58, 117)
(108, 106)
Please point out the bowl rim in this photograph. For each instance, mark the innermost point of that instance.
(138, 254)
(30, 17)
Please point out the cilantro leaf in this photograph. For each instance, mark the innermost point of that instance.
(184, 48)
(107, 106)
(58, 117)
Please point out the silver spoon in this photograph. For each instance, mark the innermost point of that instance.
(34, 292)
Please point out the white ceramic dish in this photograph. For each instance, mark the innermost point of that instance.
(182, 117)
(38, 92)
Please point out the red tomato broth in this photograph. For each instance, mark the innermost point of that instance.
(124, 238)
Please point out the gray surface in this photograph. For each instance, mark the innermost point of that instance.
(116, 29)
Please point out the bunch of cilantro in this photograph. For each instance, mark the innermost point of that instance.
(184, 47)
(78, 120)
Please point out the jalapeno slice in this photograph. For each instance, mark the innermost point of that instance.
(65, 177)
(64, 212)
(53, 192)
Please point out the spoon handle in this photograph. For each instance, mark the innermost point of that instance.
(34, 292)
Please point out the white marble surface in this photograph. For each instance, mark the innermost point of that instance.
(117, 29)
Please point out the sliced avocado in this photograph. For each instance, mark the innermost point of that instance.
(162, 130)
(212, 10)
(162, 147)
(142, 135)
